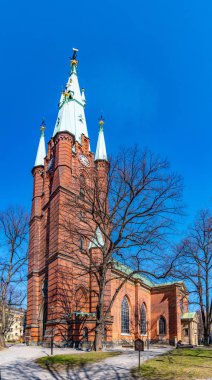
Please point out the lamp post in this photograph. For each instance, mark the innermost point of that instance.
(147, 329)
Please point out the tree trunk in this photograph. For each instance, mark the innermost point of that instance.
(100, 316)
(206, 340)
(3, 322)
(206, 337)
(98, 336)
(2, 340)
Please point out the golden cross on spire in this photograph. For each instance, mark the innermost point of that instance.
(43, 125)
(74, 60)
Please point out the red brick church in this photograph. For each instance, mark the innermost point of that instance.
(141, 309)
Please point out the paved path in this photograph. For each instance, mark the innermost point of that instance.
(17, 362)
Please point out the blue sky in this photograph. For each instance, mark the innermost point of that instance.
(147, 65)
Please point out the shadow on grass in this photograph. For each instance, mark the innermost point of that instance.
(85, 372)
(89, 371)
(191, 354)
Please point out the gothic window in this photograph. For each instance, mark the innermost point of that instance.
(82, 180)
(45, 288)
(81, 243)
(105, 335)
(143, 319)
(181, 306)
(82, 193)
(186, 332)
(125, 323)
(162, 326)
(82, 215)
(81, 300)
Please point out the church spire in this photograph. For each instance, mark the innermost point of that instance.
(71, 115)
(41, 152)
(101, 153)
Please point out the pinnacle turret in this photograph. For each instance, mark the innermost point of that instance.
(101, 153)
(41, 152)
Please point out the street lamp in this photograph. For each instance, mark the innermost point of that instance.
(147, 330)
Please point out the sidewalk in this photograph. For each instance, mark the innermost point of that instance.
(17, 363)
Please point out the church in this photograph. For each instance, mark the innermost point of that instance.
(60, 304)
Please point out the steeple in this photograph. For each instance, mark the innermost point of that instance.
(71, 115)
(41, 152)
(101, 153)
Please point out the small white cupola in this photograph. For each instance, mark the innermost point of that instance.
(41, 152)
(101, 153)
(97, 241)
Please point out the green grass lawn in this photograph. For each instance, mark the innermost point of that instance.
(183, 364)
(72, 360)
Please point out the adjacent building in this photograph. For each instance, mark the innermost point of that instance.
(16, 318)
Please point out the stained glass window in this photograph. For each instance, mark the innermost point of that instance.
(125, 316)
(143, 319)
(162, 326)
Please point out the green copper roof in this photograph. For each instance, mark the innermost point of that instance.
(168, 283)
(190, 315)
(125, 269)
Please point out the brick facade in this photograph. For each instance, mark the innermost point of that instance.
(56, 285)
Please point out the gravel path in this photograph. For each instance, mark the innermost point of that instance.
(17, 362)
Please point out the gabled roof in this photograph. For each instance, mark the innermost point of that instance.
(125, 269)
(189, 315)
(168, 284)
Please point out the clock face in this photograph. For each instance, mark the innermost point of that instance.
(84, 160)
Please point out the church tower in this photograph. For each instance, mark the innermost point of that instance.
(61, 301)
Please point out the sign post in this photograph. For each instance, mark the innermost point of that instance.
(139, 346)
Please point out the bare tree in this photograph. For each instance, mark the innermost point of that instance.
(13, 256)
(124, 213)
(194, 265)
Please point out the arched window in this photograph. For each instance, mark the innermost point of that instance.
(82, 215)
(143, 319)
(81, 243)
(105, 335)
(125, 323)
(162, 326)
(82, 180)
(181, 306)
(82, 193)
(45, 288)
